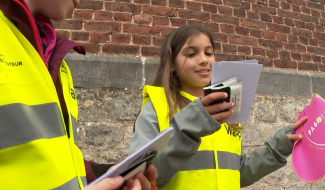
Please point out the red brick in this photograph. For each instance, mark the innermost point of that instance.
(315, 5)
(159, 2)
(252, 23)
(94, 5)
(319, 28)
(242, 30)
(300, 24)
(310, 26)
(274, 3)
(245, 6)
(142, 19)
(315, 42)
(308, 66)
(318, 35)
(103, 15)
(83, 14)
(292, 38)
(253, 15)
(141, 29)
(285, 6)
(91, 47)
(141, 40)
(295, 8)
(301, 32)
(158, 41)
(217, 46)
(211, 26)
(212, 1)
(264, 2)
(103, 26)
(281, 37)
(323, 14)
(226, 28)
(303, 40)
(229, 48)
(315, 13)
(126, 1)
(278, 28)
(277, 19)
(192, 5)
(121, 38)
(195, 22)
(159, 11)
(243, 40)
(225, 10)
(63, 33)
(323, 60)
(165, 30)
(256, 33)
(176, 3)
(306, 57)
(321, 68)
(294, 47)
(272, 53)
(285, 64)
(284, 55)
(296, 56)
(315, 50)
(239, 13)
(266, 17)
(268, 35)
(160, 21)
(125, 17)
(234, 3)
(317, 59)
(99, 36)
(183, 13)
(142, 1)
(305, 10)
(150, 51)
(228, 57)
(258, 51)
(289, 21)
(177, 22)
(270, 43)
(209, 8)
(68, 24)
(80, 36)
(120, 49)
(123, 7)
(224, 19)
(308, 18)
(264, 8)
(220, 37)
(288, 14)
(244, 49)
(297, 2)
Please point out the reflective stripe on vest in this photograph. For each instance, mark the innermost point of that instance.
(35, 151)
(216, 164)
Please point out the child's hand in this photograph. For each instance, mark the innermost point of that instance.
(216, 110)
(295, 126)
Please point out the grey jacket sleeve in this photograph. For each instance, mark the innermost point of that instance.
(191, 123)
(266, 160)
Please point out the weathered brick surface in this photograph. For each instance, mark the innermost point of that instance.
(255, 24)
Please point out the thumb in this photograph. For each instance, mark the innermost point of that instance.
(107, 184)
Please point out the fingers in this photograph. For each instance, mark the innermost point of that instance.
(107, 184)
(300, 122)
(143, 181)
(213, 96)
(294, 137)
(216, 108)
(151, 172)
(222, 117)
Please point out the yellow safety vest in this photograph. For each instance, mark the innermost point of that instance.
(36, 149)
(216, 164)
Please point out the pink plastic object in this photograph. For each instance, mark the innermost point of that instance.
(308, 156)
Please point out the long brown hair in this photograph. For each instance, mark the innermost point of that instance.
(169, 50)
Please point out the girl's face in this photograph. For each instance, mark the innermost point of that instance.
(54, 9)
(193, 63)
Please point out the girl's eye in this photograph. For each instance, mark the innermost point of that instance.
(190, 54)
(209, 54)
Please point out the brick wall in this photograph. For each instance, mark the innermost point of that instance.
(279, 33)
